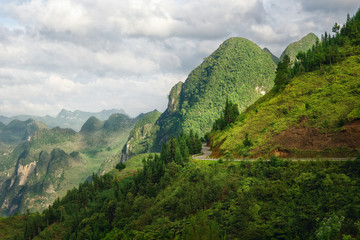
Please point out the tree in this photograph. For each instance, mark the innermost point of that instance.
(336, 28)
(247, 142)
(120, 166)
(282, 74)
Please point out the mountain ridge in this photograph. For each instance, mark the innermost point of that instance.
(37, 171)
(238, 69)
(65, 118)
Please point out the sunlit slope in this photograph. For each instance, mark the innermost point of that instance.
(317, 114)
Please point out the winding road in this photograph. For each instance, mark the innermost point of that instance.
(206, 152)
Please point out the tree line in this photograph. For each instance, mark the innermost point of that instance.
(228, 116)
(331, 49)
(91, 211)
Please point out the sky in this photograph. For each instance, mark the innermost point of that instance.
(92, 55)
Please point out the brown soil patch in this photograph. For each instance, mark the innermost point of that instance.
(312, 139)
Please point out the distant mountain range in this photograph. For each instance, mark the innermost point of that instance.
(45, 163)
(65, 119)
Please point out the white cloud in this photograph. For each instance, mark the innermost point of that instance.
(56, 15)
(330, 5)
(97, 54)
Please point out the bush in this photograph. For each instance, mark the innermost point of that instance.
(276, 161)
(120, 166)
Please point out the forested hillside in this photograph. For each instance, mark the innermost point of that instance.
(238, 70)
(141, 136)
(176, 199)
(302, 45)
(36, 172)
(314, 108)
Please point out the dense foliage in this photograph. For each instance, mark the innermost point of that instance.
(76, 210)
(302, 45)
(229, 115)
(55, 160)
(331, 49)
(308, 114)
(142, 136)
(273, 199)
(234, 71)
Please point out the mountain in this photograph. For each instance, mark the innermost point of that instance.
(268, 198)
(141, 136)
(65, 119)
(17, 131)
(273, 57)
(302, 45)
(238, 70)
(52, 161)
(314, 114)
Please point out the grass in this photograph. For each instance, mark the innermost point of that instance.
(325, 100)
(132, 165)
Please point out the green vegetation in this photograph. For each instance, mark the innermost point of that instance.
(142, 136)
(12, 227)
(229, 116)
(173, 197)
(300, 46)
(273, 57)
(55, 160)
(274, 199)
(238, 70)
(234, 71)
(18, 131)
(307, 114)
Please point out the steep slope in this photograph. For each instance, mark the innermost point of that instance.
(141, 136)
(55, 160)
(238, 70)
(316, 115)
(216, 200)
(300, 46)
(66, 118)
(17, 131)
(273, 57)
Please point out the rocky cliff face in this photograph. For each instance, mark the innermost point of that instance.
(42, 177)
(174, 98)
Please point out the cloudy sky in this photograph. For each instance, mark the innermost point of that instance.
(102, 54)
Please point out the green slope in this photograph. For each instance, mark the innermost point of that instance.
(238, 70)
(316, 115)
(173, 198)
(255, 200)
(141, 136)
(302, 45)
(55, 160)
(233, 71)
(18, 131)
(273, 57)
